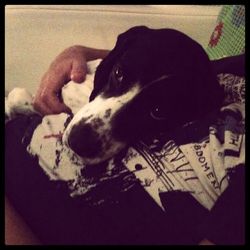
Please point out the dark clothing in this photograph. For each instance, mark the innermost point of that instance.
(56, 218)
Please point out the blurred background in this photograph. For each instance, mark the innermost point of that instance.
(36, 34)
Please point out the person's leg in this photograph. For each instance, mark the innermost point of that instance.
(45, 205)
(55, 217)
(16, 230)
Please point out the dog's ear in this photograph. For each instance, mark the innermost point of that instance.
(103, 70)
(206, 90)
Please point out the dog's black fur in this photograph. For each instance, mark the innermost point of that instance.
(142, 55)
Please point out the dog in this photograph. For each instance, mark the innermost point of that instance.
(154, 80)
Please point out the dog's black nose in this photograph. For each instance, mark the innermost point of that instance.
(84, 141)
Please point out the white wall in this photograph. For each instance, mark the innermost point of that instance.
(35, 34)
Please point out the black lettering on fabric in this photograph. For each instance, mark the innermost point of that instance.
(210, 175)
(179, 156)
(169, 148)
(234, 139)
(180, 168)
(205, 166)
(197, 147)
(202, 159)
(215, 184)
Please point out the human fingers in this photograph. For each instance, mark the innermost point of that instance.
(46, 100)
(79, 70)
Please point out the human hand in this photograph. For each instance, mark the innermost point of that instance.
(70, 65)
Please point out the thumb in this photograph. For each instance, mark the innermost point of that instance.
(78, 71)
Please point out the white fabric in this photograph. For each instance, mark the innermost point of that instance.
(199, 168)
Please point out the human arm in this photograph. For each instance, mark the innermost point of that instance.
(69, 65)
(206, 242)
(16, 230)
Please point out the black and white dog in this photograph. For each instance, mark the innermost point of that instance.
(152, 81)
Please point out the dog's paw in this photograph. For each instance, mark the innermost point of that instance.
(19, 101)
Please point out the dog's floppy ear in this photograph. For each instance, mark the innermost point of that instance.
(206, 90)
(105, 67)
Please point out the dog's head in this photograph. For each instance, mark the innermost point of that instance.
(152, 81)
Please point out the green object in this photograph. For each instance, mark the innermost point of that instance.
(228, 37)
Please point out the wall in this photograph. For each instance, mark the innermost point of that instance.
(35, 34)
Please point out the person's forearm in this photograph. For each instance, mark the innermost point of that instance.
(206, 242)
(16, 230)
(92, 54)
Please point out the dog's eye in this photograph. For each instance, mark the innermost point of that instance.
(119, 74)
(157, 114)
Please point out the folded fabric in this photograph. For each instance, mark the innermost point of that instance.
(195, 158)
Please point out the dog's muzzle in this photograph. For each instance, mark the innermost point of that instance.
(89, 133)
(85, 141)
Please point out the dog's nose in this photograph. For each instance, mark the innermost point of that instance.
(84, 141)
